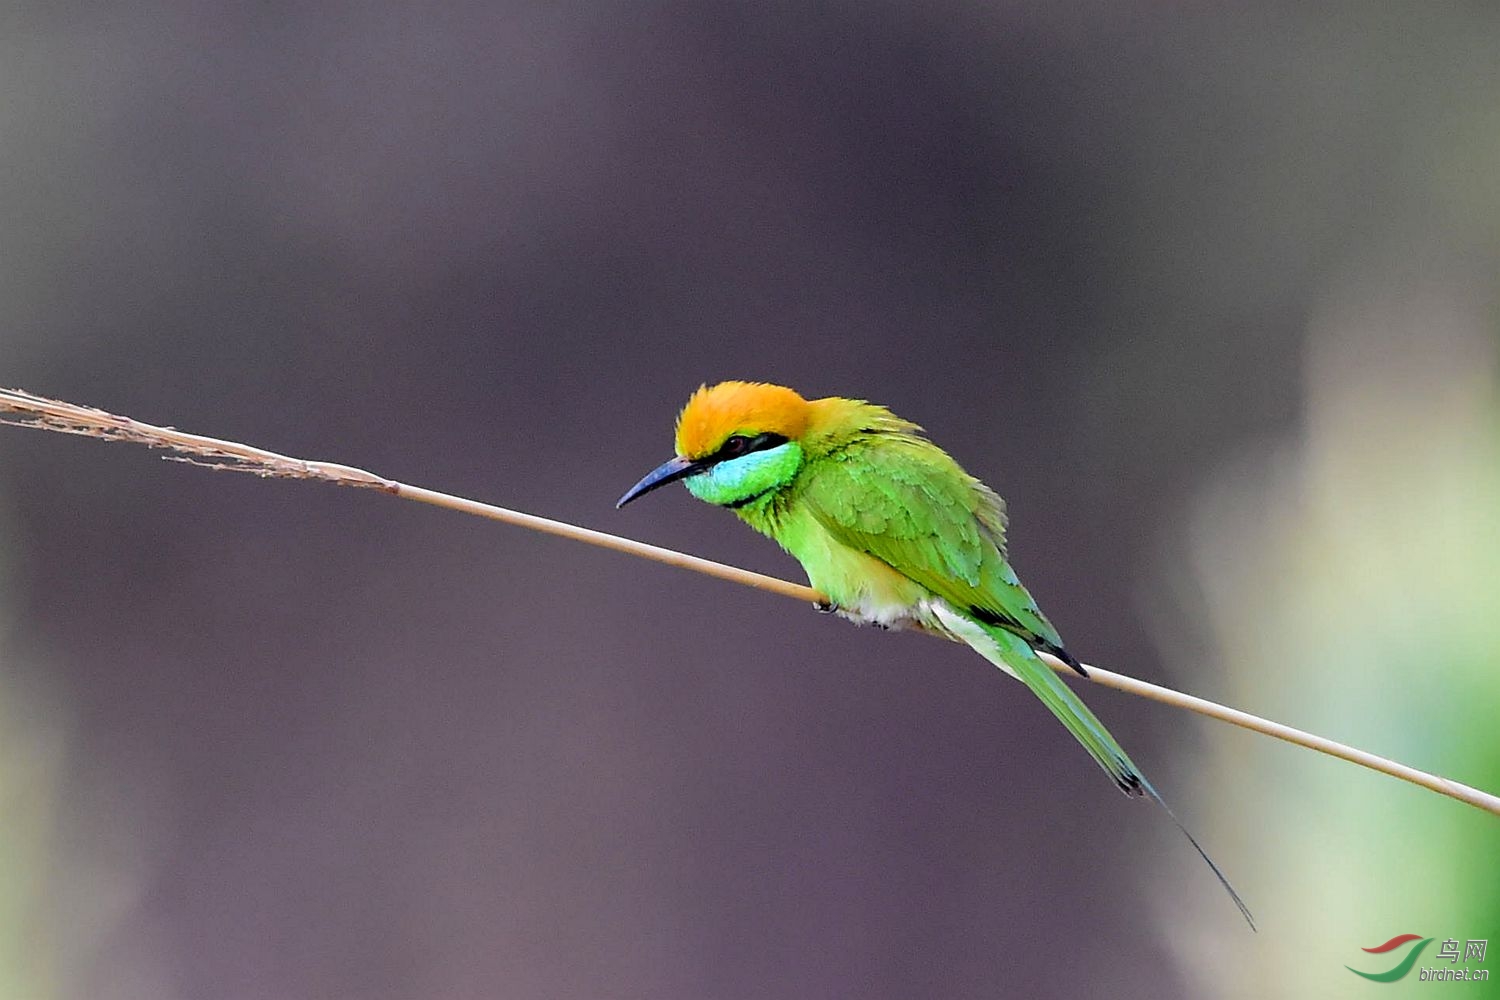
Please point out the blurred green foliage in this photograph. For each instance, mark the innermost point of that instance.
(1349, 585)
(29, 788)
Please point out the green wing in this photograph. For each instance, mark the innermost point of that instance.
(904, 501)
(901, 499)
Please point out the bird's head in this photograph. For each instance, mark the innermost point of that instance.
(736, 441)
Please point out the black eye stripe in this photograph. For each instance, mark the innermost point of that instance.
(740, 445)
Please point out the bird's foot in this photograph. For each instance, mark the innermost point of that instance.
(825, 607)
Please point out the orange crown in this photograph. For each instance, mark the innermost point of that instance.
(715, 412)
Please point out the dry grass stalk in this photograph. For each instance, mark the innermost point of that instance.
(26, 410)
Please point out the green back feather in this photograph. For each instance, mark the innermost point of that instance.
(903, 500)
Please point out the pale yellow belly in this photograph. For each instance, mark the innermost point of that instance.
(863, 588)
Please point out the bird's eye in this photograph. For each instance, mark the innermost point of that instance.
(735, 446)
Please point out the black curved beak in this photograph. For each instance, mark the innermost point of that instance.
(667, 472)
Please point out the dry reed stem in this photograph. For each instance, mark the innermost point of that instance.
(26, 410)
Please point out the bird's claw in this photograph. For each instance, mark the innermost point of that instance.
(825, 607)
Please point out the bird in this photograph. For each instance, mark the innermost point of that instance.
(891, 530)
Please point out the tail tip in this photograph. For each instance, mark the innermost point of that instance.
(1068, 658)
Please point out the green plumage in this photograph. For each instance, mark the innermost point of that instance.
(889, 494)
(890, 528)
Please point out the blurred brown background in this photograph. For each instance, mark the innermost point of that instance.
(1208, 295)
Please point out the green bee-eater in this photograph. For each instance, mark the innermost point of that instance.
(889, 528)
